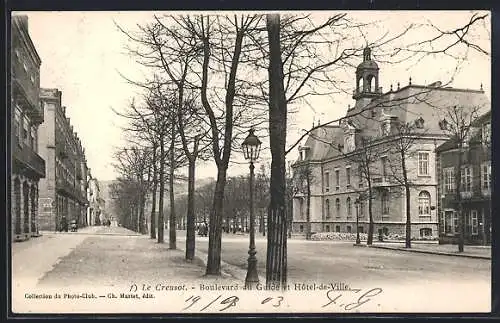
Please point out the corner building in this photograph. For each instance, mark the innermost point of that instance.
(339, 180)
(26, 116)
(475, 186)
(63, 192)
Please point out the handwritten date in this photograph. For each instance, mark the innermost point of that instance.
(227, 302)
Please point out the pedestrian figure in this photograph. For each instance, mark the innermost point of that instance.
(64, 224)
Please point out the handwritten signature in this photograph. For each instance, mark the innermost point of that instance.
(347, 303)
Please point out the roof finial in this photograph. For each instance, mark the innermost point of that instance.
(398, 85)
(481, 86)
(410, 80)
(366, 53)
(391, 87)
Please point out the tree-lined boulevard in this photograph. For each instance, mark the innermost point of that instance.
(212, 78)
(380, 205)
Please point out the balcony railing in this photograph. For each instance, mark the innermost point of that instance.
(27, 94)
(466, 195)
(29, 159)
(69, 189)
(380, 181)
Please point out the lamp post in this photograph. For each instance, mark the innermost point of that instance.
(251, 150)
(358, 241)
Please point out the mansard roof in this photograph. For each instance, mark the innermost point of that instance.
(415, 101)
(406, 104)
(322, 140)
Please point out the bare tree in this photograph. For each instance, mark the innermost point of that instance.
(401, 147)
(132, 164)
(214, 36)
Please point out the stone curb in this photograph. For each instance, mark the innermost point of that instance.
(431, 252)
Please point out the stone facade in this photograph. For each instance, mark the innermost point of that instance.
(27, 166)
(361, 151)
(63, 192)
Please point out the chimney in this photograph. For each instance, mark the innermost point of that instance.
(435, 84)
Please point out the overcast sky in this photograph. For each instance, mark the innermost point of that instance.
(83, 52)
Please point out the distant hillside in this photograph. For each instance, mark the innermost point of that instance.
(104, 187)
(180, 188)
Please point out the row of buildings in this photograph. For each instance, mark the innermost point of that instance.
(363, 154)
(51, 184)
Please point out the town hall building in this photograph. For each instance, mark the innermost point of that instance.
(360, 159)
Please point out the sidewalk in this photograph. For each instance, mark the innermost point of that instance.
(117, 258)
(32, 258)
(479, 252)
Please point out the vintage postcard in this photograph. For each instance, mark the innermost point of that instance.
(250, 162)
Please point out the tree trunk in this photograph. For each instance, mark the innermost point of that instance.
(161, 220)
(461, 215)
(143, 215)
(308, 206)
(215, 232)
(138, 219)
(276, 265)
(172, 232)
(190, 234)
(369, 240)
(408, 216)
(153, 202)
(408, 201)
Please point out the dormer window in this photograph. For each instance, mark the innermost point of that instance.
(385, 128)
(443, 124)
(419, 123)
(303, 152)
(349, 143)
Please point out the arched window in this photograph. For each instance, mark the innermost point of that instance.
(370, 87)
(337, 206)
(424, 202)
(385, 202)
(348, 206)
(327, 208)
(360, 84)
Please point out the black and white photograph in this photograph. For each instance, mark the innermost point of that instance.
(231, 162)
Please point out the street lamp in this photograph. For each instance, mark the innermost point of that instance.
(358, 241)
(251, 150)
